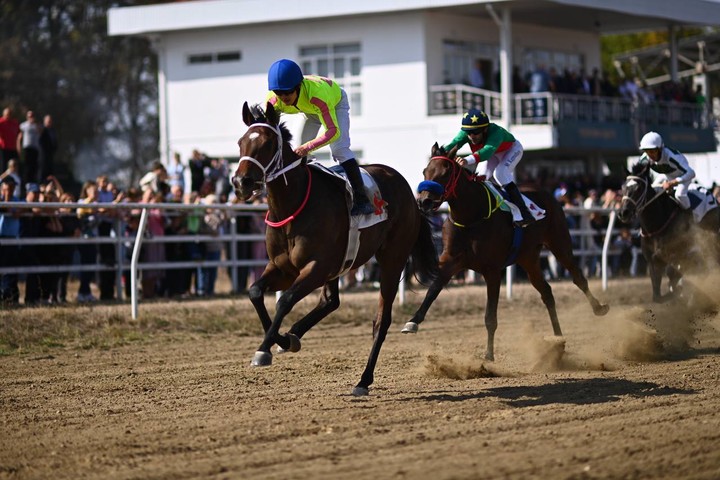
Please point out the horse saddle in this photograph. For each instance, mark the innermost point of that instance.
(357, 222)
(701, 201)
(507, 205)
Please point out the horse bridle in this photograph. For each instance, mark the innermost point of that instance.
(274, 168)
(640, 203)
(449, 189)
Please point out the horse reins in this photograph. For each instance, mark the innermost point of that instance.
(639, 208)
(274, 169)
(449, 191)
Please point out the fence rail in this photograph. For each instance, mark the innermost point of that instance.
(586, 250)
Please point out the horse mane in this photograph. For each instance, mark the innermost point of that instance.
(259, 116)
(640, 169)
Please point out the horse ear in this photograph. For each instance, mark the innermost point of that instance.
(246, 115)
(435, 149)
(452, 153)
(272, 115)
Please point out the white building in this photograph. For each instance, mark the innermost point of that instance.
(395, 60)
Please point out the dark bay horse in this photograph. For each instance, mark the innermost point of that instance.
(479, 236)
(308, 236)
(668, 232)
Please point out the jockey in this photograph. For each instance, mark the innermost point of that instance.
(492, 143)
(670, 163)
(324, 103)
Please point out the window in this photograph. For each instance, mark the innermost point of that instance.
(200, 58)
(341, 62)
(560, 61)
(228, 56)
(459, 57)
(219, 57)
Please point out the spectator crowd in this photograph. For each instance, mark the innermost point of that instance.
(27, 176)
(27, 150)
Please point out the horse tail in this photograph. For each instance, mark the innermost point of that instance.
(424, 255)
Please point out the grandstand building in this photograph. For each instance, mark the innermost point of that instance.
(406, 66)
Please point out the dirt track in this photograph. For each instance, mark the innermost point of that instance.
(625, 401)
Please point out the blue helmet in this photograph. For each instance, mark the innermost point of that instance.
(284, 75)
(474, 119)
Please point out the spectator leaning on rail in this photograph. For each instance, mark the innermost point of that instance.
(492, 143)
(670, 163)
(10, 229)
(324, 103)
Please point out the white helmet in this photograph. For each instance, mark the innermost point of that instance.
(650, 141)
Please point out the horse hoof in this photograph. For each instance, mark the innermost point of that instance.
(295, 345)
(261, 359)
(294, 342)
(360, 392)
(410, 327)
(602, 310)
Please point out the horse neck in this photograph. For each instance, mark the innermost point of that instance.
(657, 214)
(284, 199)
(470, 203)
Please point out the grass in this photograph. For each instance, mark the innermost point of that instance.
(110, 325)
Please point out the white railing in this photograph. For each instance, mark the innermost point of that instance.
(549, 108)
(231, 238)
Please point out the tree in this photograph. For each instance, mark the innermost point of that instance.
(56, 58)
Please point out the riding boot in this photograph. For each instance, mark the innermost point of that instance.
(361, 204)
(515, 197)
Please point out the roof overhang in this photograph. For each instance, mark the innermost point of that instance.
(602, 16)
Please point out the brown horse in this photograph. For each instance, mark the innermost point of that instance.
(308, 237)
(479, 236)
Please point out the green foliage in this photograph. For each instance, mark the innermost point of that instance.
(56, 58)
(613, 45)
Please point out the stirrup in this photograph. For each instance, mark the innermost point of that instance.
(364, 208)
(524, 222)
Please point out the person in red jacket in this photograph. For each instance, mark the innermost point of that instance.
(9, 130)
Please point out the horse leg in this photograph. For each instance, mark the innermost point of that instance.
(566, 259)
(271, 276)
(543, 287)
(329, 302)
(674, 277)
(656, 269)
(389, 280)
(308, 279)
(447, 270)
(492, 281)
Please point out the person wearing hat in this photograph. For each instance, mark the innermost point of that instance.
(325, 104)
(671, 164)
(493, 144)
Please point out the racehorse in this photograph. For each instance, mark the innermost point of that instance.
(666, 230)
(307, 238)
(478, 236)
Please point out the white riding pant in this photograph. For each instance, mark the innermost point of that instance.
(501, 166)
(681, 195)
(340, 148)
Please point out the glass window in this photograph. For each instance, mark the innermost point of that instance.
(200, 58)
(341, 62)
(228, 56)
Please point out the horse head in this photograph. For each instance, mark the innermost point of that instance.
(262, 149)
(636, 191)
(441, 175)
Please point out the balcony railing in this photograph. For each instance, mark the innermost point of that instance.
(549, 108)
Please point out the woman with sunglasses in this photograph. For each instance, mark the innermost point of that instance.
(326, 104)
(493, 144)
